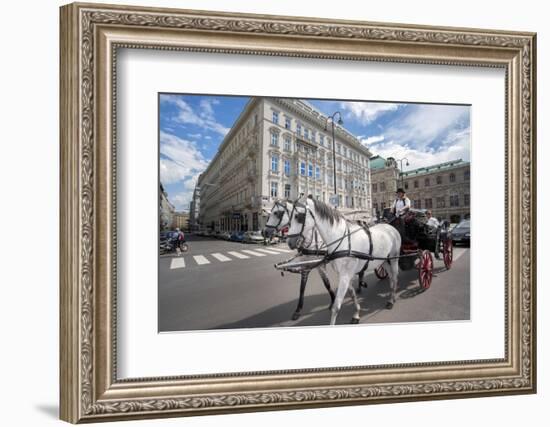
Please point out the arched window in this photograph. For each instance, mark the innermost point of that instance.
(452, 177)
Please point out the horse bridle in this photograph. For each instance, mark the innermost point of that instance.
(281, 214)
(301, 219)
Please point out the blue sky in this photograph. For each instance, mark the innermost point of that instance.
(193, 126)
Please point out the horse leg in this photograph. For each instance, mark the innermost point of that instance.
(303, 281)
(393, 273)
(361, 283)
(356, 317)
(343, 284)
(326, 282)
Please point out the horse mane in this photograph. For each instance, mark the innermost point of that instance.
(327, 212)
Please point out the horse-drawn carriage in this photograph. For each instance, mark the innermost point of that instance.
(419, 241)
(324, 235)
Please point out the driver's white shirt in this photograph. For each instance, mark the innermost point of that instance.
(433, 222)
(399, 205)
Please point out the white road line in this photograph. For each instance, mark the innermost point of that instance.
(221, 257)
(238, 255)
(178, 262)
(456, 255)
(200, 259)
(281, 250)
(268, 251)
(246, 251)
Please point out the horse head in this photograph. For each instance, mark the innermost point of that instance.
(279, 218)
(302, 224)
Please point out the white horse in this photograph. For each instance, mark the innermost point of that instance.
(349, 245)
(279, 218)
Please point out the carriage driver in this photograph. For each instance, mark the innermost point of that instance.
(402, 204)
(400, 207)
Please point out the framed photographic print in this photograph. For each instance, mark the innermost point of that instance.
(268, 212)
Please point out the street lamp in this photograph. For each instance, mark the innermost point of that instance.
(401, 167)
(340, 122)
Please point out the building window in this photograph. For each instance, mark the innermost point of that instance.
(299, 128)
(428, 203)
(322, 140)
(453, 202)
(275, 139)
(276, 117)
(287, 143)
(275, 163)
(287, 167)
(438, 179)
(339, 164)
(287, 122)
(466, 200)
(415, 183)
(466, 175)
(274, 188)
(417, 204)
(313, 135)
(306, 133)
(382, 186)
(310, 170)
(317, 172)
(452, 177)
(287, 191)
(338, 148)
(440, 202)
(302, 168)
(406, 185)
(426, 182)
(345, 152)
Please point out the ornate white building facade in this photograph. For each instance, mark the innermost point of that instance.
(279, 148)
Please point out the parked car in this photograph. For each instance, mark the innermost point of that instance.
(225, 235)
(253, 237)
(461, 233)
(237, 236)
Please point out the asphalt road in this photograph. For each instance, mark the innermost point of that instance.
(226, 285)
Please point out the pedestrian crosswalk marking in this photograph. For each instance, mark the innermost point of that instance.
(221, 257)
(200, 259)
(177, 262)
(246, 251)
(238, 255)
(268, 251)
(281, 250)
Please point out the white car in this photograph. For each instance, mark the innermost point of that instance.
(253, 237)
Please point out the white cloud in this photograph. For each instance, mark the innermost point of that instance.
(367, 112)
(179, 159)
(427, 135)
(427, 125)
(182, 199)
(457, 148)
(204, 118)
(195, 135)
(371, 139)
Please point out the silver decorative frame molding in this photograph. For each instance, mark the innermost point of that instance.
(90, 37)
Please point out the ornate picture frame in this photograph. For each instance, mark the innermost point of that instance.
(90, 37)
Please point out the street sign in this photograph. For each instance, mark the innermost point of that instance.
(333, 200)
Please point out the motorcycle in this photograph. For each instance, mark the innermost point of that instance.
(173, 245)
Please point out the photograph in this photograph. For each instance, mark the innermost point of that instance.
(293, 212)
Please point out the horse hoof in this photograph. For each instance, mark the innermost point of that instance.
(389, 305)
(296, 316)
(354, 321)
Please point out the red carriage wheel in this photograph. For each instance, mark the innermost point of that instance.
(448, 253)
(381, 272)
(425, 269)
